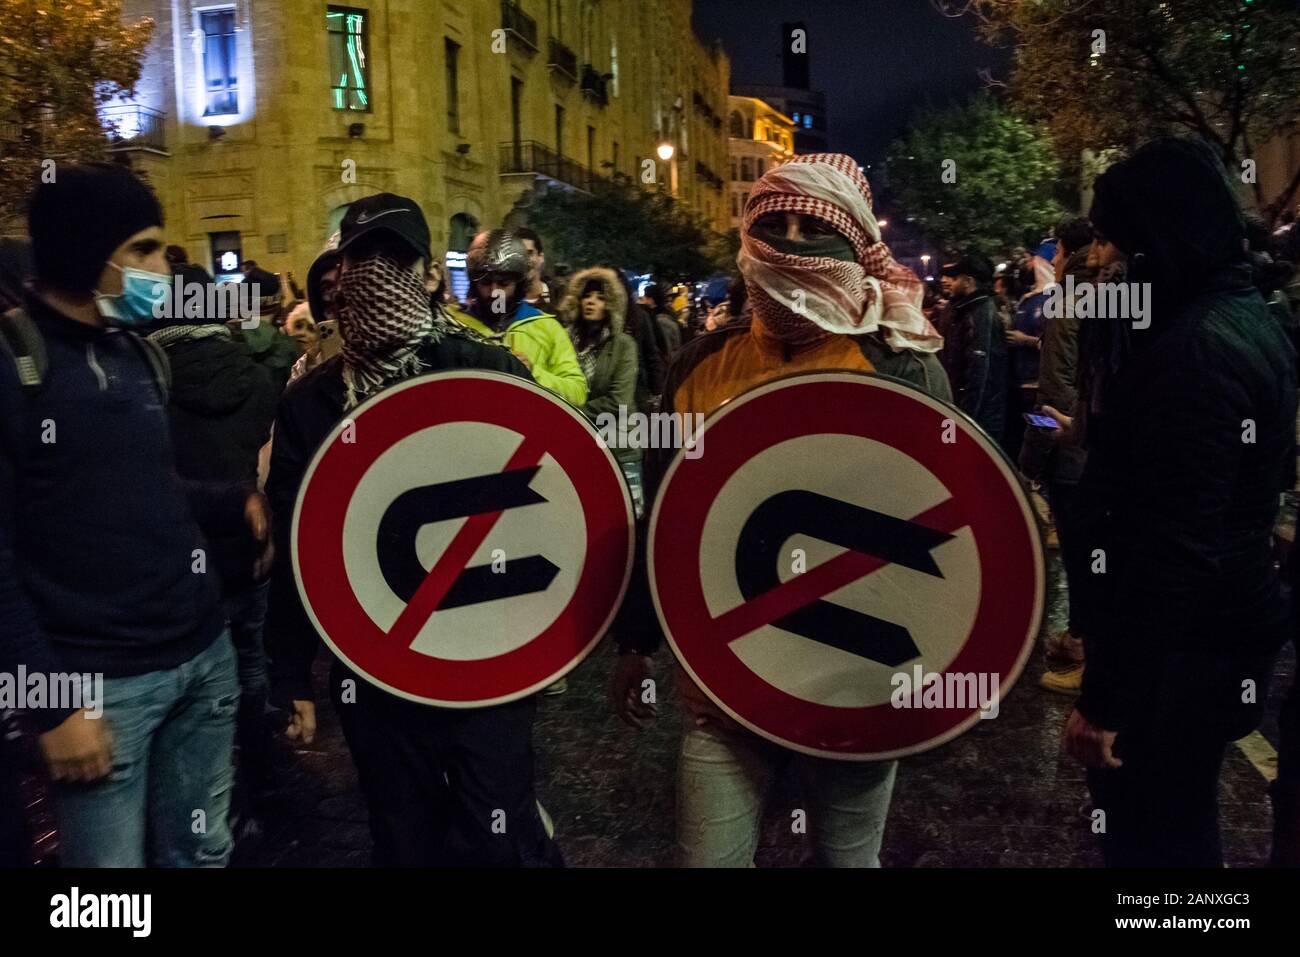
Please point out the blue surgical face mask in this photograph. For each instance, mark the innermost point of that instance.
(141, 300)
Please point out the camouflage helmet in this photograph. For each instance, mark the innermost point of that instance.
(496, 251)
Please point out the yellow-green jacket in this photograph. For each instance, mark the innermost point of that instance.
(540, 337)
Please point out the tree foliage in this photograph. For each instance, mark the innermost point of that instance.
(1000, 182)
(60, 61)
(619, 224)
(1227, 70)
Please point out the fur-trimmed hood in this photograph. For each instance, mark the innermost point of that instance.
(570, 309)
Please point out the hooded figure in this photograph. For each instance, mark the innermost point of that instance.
(594, 308)
(1186, 456)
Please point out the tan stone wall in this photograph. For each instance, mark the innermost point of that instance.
(276, 173)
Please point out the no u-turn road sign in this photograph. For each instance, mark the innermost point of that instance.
(843, 530)
(463, 539)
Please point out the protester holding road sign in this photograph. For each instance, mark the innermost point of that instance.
(442, 787)
(826, 295)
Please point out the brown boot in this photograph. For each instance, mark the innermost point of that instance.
(1064, 649)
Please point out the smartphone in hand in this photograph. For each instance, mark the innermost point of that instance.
(1041, 421)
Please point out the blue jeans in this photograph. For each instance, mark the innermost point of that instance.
(173, 733)
(724, 777)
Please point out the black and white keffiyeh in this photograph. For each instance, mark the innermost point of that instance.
(384, 319)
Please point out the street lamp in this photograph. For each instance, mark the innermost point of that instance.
(925, 261)
(668, 153)
(882, 223)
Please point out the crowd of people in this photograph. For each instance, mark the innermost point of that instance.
(182, 443)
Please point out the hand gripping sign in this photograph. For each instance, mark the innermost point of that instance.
(463, 539)
(853, 571)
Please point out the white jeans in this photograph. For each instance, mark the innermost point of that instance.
(723, 779)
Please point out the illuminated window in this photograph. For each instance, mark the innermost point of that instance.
(219, 74)
(349, 64)
(807, 121)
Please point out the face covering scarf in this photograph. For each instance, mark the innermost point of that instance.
(384, 320)
(804, 298)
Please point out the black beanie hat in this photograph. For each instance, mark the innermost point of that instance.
(77, 220)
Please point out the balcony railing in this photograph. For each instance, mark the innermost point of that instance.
(519, 24)
(134, 127)
(528, 156)
(563, 59)
(594, 85)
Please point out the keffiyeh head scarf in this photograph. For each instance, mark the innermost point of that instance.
(804, 298)
(384, 319)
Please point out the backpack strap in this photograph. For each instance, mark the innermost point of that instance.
(23, 343)
(25, 347)
(157, 359)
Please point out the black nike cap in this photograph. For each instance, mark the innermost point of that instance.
(387, 211)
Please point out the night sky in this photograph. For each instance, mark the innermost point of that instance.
(877, 61)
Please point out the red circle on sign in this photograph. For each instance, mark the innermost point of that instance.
(985, 495)
(549, 426)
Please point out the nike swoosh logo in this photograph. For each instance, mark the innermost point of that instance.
(365, 218)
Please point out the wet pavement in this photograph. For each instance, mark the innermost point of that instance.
(1002, 795)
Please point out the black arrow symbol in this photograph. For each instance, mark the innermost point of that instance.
(395, 540)
(769, 527)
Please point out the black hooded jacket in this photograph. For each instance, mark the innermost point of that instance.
(1188, 442)
(221, 409)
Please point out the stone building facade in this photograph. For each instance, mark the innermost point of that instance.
(258, 123)
(759, 136)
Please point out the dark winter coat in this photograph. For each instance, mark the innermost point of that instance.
(1042, 459)
(975, 355)
(221, 409)
(1178, 498)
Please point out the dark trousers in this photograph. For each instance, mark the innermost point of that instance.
(14, 851)
(1075, 557)
(246, 612)
(1162, 806)
(445, 787)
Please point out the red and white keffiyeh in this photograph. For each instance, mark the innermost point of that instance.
(802, 298)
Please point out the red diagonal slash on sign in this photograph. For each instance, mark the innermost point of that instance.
(788, 597)
(452, 562)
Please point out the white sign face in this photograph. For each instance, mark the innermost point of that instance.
(937, 611)
(551, 526)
